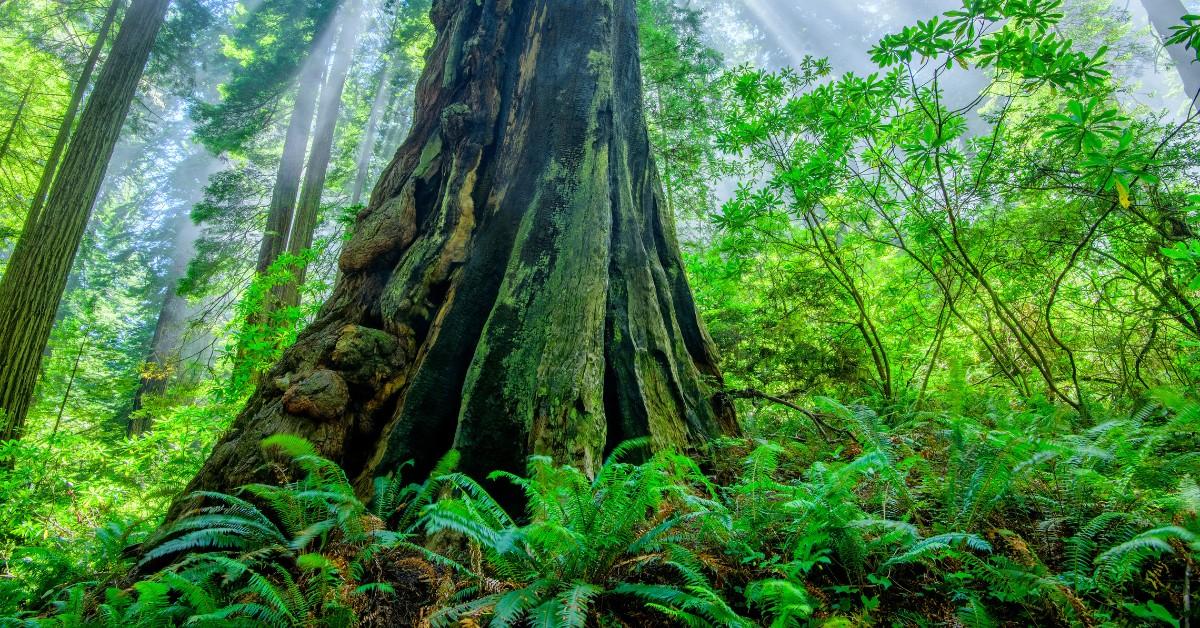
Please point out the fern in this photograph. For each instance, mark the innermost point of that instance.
(575, 603)
(400, 505)
(585, 539)
(784, 602)
(1117, 564)
(937, 546)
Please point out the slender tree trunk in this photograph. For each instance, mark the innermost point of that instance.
(379, 106)
(1165, 14)
(291, 163)
(398, 127)
(37, 272)
(515, 285)
(305, 224)
(164, 355)
(68, 119)
(164, 351)
(16, 122)
(383, 94)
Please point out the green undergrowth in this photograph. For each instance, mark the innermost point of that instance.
(1004, 517)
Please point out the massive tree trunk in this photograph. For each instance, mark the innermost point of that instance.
(37, 272)
(68, 120)
(305, 224)
(1165, 14)
(514, 286)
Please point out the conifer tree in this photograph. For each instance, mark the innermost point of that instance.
(515, 285)
(37, 273)
(304, 225)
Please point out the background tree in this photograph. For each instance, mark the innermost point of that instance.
(50, 168)
(36, 276)
(401, 61)
(245, 292)
(305, 223)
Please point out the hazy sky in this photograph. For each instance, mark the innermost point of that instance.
(844, 31)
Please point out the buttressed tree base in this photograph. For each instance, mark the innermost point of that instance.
(514, 287)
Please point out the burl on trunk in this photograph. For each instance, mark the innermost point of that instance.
(514, 286)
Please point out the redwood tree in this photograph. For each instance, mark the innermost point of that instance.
(291, 162)
(37, 273)
(68, 120)
(304, 224)
(514, 285)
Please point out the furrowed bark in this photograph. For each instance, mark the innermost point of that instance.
(514, 286)
(37, 272)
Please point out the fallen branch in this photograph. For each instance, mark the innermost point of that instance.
(822, 426)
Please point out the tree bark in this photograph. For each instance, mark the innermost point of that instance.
(514, 286)
(1165, 14)
(305, 224)
(291, 163)
(37, 272)
(64, 128)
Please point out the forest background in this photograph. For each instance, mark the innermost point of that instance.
(953, 275)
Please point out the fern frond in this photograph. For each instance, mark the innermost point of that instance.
(574, 604)
(935, 545)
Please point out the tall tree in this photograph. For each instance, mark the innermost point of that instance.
(281, 46)
(305, 224)
(402, 60)
(291, 163)
(37, 272)
(1164, 15)
(366, 148)
(68, 120)
(514, 285)
(164, 357)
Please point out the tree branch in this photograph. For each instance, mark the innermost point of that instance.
(822, 426)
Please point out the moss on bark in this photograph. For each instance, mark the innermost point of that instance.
(514, 286)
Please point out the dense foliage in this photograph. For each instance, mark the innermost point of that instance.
(957, 300)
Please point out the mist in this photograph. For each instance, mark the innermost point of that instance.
(773, 34)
